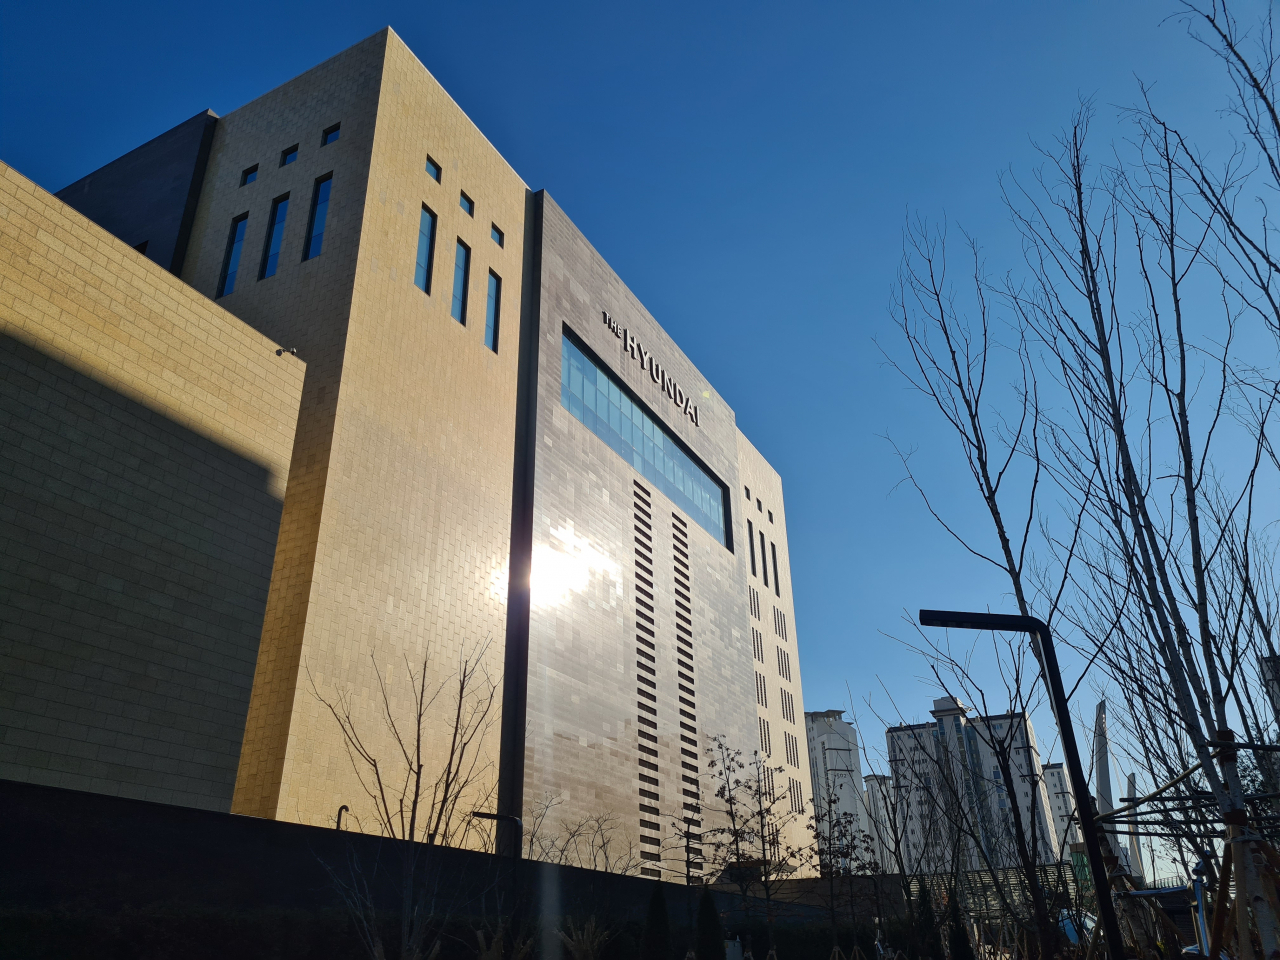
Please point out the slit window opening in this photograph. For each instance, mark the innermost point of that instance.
(777, 583)
(467, 204)
(751, 542)
(231, 260)
(250, 175)
(433, 169)
(288, 155)
(595, 397)
(764, 565)
(319, 214)
(498, 236)
(426, 250)
(492, 311)
(275, 237)
(330, 134)
(461, 280)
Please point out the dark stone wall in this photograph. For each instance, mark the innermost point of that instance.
(149, 195)
(64, 846)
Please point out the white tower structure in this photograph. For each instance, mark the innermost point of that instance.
(1102, 782)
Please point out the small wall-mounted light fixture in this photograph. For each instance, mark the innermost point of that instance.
(292, 350)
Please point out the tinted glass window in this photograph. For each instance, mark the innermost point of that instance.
(491, 313)
(433, 168)
(461, 278)
(249, 175)
(467, 204)
(290, 155)
(498, 236)
(426, 250)
(231, 262)
(330, 135)
(275, 235)
(594, 396)
(319, 213)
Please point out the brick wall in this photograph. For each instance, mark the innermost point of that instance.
(145, 436)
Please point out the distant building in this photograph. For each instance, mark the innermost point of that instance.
(878, 795)
(954, 806)
(1062, 804)
(835, 772)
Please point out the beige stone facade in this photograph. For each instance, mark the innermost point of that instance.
(395, 534)
(146, 436)
(770, 604)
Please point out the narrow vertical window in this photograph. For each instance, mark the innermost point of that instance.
(492, 311)
(231, 262)
(288, 155)
(249, 175)
(777, 584)
(426, 250)
(751, 541)
(497, 235)
(433, 169)
(319, 213)
(467, 204)
(275, 236)
(330, 135)
(461, 279)
(764, 563)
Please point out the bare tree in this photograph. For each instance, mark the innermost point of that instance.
(1149, 312)
(750, 821)
(595, 841)
(419, 795)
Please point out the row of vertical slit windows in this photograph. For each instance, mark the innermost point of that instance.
(764, 558)
(646, 664)
(461, 278)
(590, 392)
(274, 242)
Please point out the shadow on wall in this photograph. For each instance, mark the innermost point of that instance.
(135, 558)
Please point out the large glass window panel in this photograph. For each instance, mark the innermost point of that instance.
(275, 236)
(426, 250)
(319, 214)
(491, 313)
(461, 279)
(593, 396)
(231, 262)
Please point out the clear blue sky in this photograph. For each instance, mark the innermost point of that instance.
(745, 167)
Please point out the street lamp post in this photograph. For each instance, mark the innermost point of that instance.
(1048, 657)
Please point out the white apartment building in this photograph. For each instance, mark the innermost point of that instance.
(835, 773)
(1062, 804)
(955, 807)
(878, 797)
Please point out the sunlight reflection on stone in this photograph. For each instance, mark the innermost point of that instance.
(567, 565)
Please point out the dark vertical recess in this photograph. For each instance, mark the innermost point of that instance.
(515, 687)
(193, 196)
